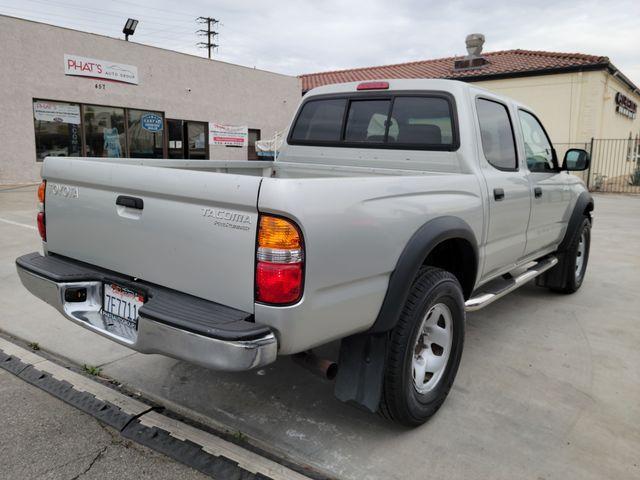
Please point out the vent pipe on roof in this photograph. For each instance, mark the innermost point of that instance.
(474, 42)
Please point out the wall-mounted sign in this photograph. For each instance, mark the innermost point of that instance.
(56, 112)
(625, 106)
(93, 68)
(231, 135)
(151, 122)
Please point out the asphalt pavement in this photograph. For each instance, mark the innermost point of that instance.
(43, 438)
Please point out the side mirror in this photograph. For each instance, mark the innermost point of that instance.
(576, 160)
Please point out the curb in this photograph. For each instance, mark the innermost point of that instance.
(142, 423)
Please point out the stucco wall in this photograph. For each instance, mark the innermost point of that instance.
(574, 107)
(182, 86)
(613, 124)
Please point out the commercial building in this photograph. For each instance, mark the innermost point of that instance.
(70, 93)
(583, 100)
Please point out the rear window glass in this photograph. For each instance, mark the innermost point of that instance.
(403, 121)
(421, 121)
(366, 121)
(320, 120)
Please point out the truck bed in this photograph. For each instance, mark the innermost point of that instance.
(266, 169)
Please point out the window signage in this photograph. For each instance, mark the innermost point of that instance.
(93, 68)
(625, 106)
(56, 112)
(230, 135)
(151, 122)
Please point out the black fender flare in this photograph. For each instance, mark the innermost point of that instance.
(417, 249)
(362, 356)
(556, 277)
(584, 204)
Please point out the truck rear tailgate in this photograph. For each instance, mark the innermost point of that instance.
(195, 232)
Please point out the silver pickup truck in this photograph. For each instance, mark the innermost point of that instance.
(393, 208)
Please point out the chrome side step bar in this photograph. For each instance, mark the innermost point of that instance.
(496, 289)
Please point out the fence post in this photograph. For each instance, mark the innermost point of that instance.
(590, 165)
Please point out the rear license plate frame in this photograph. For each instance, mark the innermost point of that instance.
(121, 306)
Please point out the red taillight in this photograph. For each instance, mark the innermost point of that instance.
(42, 221)
(373, 86)
(279, 261)
(278, 283)
(42, 226)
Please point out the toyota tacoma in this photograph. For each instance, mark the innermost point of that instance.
(393, 208)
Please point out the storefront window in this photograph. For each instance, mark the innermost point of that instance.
(104, 131)
(145, 134)
(57, 126)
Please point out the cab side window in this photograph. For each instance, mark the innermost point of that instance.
(537, 146)
(498, 142)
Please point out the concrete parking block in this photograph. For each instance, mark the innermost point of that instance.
(135, 420)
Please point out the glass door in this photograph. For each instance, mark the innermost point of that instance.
(254, 136)
(175, 135)
(197, 145)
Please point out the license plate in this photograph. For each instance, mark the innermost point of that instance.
(120, 306)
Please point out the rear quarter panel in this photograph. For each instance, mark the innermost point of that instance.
(354, 232)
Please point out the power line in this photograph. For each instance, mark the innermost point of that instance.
(158, 36)
(93, 25)
(155, 9)
(209, 32)
(156, 19)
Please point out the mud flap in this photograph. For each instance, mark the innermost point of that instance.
(361, 370)
(555, 277)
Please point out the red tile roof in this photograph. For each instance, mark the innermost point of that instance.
(503, 63)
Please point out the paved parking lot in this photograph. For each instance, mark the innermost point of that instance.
(32, 421)
(548, 388)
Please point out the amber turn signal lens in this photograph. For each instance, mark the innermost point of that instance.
(41, 191)
(277, 232)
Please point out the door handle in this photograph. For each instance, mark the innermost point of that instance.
(498, 194)
(130, 202)
(537, 192)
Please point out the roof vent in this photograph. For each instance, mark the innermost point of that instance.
(474, 42)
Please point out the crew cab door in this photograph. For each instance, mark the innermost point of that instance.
(550, 193)
(508, 190)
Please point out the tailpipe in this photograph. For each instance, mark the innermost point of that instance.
(322, 367)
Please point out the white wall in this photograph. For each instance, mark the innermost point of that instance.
(31, 55)
(574, 107)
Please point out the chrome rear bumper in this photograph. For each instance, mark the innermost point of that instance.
(153, 336)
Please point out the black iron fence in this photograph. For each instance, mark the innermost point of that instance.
(615, 164)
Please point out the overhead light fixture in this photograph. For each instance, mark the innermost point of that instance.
(129, 28)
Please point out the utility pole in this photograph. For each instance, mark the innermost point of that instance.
(209, 32)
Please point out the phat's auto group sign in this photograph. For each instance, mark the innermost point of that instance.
(102, 69)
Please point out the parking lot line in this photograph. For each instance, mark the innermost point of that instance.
(18, 224)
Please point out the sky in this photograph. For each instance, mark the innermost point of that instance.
(304, 36)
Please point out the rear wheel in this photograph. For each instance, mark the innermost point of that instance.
(424, 348)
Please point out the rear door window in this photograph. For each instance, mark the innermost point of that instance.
(496, 132)
(320, 121)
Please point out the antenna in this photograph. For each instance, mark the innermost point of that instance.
(209, 32)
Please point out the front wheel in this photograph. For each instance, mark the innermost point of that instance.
(424, 348)
(576, 259)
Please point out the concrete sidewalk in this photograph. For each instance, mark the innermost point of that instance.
(44, 438)
(548, 386)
